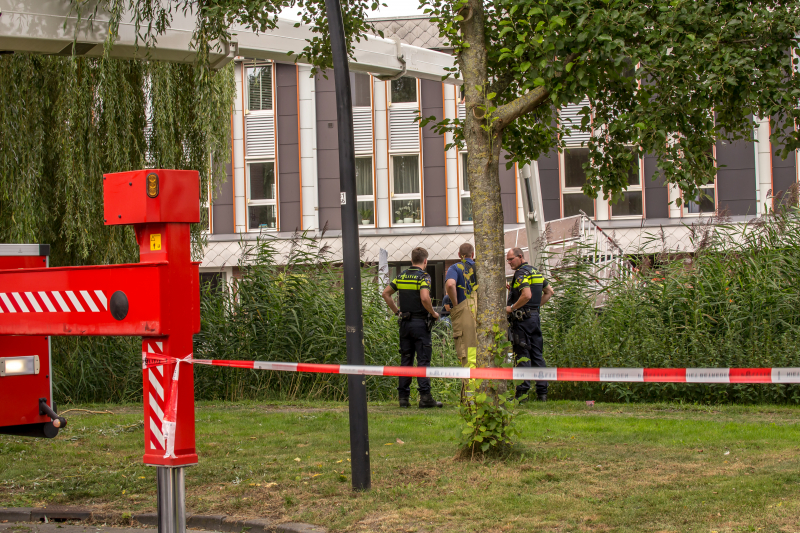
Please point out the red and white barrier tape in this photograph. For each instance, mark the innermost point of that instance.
(633, 375)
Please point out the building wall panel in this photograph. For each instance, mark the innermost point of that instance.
(550, 185)
(288, 147)
(736, 177)
(433, 166)
(327, 154)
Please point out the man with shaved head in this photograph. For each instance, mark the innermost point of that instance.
(528, 291)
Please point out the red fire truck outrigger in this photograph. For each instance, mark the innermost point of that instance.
(157, 299)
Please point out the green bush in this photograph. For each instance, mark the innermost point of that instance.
(733, 303)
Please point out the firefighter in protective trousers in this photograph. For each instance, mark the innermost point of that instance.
(528, 290)
(417, 317)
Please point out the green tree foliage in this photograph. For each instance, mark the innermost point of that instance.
(69, 120)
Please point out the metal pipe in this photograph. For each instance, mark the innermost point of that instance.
(178, 482)
(356, 385)
(166, 508)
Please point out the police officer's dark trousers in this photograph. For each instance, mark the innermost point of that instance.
(528, 342)
(414, 339)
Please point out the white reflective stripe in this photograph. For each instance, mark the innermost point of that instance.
(156, 385)
(21, 303)
(47, 302)
(75, 302)
(539, 373)
(11, 308)
(102, 298)
(264, 365)
(153, 349)
(622, 374)
(61, 302)
(159, 369)
(156, 409)
(707, 375)
(445, 372)
(88, 299)
(160, 346)
(34, 303)
(155, 430)
(786, 375)
(361, 370)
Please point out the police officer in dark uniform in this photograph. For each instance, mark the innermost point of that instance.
(416, 314)
(527, 292)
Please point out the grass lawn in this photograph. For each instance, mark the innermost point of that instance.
(611, 467)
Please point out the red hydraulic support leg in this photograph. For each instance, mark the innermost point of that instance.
(161, 204)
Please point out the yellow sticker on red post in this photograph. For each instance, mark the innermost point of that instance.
(155, 242)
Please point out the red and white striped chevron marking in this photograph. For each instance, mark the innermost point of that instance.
(641, 375)
(53, 302)
(156, 396)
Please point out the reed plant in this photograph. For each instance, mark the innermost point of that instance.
(281, 309)
(731, 303)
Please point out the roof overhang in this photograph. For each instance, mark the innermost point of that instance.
(49, 27)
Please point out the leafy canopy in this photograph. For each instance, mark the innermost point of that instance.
(667, 76)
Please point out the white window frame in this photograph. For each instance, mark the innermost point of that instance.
(397, 197)
(462, 178)
(414, 104)
(251, 63)
(562, 171)
(632, 188)
(368, 197)
(256, 203)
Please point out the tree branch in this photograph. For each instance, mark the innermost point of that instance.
(508, 113)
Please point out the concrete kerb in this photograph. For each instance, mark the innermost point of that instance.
(206, 522)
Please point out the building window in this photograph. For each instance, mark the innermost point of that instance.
(360, 89)
(404, 90)
(259, 87)
(574, 177)
(262, 208)
(406, 197)
(466, 199)
(703, 203)
(631, 203)
(364, 190)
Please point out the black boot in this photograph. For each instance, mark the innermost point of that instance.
(426, 400)
(522, 397)
(542, 397)
(404, 401)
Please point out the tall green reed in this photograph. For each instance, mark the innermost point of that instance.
(731, 303)
(282, 309)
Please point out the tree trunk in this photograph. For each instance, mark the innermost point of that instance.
(484, 144)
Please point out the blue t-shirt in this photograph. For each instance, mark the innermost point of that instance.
(464, 274)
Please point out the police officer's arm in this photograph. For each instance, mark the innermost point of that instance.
(547, 292)
(387, 296)
(450, 289)
(425, 296)
(524, 296)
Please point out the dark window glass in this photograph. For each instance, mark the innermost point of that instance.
(574, 174)
(630, 205)
(211, 282)
(259, 88)
(633, 176)
(573, 203)
(704, 204)
(363, 176)
(404, 90)
(466, 209)
(262, 181)
(464, 180)
(366, 213)
(360, 89)
(262, 216)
